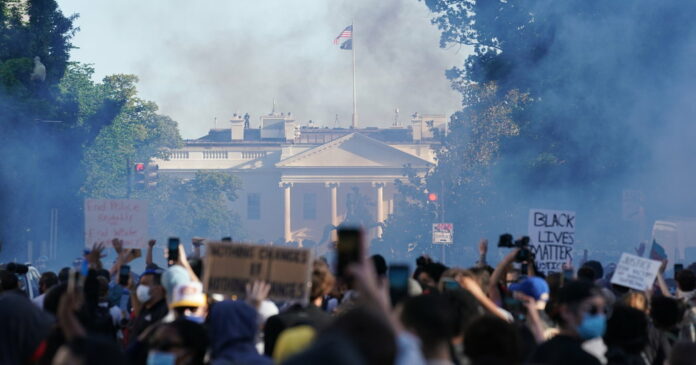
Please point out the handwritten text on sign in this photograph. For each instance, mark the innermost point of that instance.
(635, 272)
(106, 219)
(230, 266)
(551, 237)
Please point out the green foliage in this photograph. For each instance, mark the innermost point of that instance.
(137, 134)
(196, 207)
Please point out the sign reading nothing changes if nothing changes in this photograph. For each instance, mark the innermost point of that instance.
(551, 238)
(228, 267)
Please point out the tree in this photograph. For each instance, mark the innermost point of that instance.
(197, 207)
(137, 134)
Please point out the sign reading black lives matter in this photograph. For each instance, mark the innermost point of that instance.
(551, 238)
(228, 267)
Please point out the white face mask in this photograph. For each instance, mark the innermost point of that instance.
(143, 293)
(160, 358)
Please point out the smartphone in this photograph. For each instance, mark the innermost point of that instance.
(450, 284)
(398, 275)
(124, 275)
(568, 274)
(349, 249)
(677, 269)
(173, 250)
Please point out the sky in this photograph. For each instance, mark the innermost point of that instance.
(202, 61)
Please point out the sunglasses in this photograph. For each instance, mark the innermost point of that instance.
(165, 346)
(595, 310)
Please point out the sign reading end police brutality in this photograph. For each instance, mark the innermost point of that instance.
(125, 219)
(228, 267)
(635, 272)
(551, 238)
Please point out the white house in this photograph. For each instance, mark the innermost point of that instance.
(297, 181)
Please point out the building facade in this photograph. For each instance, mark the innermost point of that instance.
(298, 183)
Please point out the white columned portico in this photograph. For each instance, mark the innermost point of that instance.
(380, 206)
(333, 209)
(287, 227)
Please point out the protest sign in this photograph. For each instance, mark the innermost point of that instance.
(635, 272)
(228, 267)
(125, 219)
(443, 233)
(551, 238)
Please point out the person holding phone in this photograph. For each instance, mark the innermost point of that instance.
(149, 303)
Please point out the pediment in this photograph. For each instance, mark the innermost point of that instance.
(354, 150)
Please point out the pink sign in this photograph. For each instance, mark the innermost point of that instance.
(125, 219)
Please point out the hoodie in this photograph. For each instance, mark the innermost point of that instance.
(232, 328)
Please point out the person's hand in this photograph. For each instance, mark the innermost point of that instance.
(483, 246)
(526, 300)
(95, 255)
(510, 257)
(197, 241)
(151, 243)
(256, 292)
(663, 266)
(118, 245)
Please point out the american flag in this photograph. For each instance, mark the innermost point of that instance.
(346, 33)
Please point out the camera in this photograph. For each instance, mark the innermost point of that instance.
(525, 254)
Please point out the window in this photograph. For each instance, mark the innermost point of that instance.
(254, 206)
(309, 206)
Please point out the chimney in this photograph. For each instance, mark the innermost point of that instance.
(237, 128)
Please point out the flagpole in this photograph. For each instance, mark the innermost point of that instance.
(355, 112)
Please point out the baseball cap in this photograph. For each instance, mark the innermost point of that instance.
(173, 277)
(188, 295)
(532, 286)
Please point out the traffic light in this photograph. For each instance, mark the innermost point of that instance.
(139, 180)
(151, 175)
(432, 197)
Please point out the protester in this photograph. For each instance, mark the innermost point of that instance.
(452, 315)
(581, 316)
(298, 314)
(47, 281)
(149, 303)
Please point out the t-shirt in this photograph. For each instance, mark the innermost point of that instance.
(147, 317)
(563, 350)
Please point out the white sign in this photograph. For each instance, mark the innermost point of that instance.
(443, 233)
(551, 238)
(635, 272)
(106, 219)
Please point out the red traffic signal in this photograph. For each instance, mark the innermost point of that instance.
(139, 167)
(432, 197)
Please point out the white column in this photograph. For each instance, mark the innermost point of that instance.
(380, 206)
(333, 192)
(287, 228)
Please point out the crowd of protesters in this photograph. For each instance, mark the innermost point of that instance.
(481, 315)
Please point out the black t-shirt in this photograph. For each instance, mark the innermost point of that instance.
(147, 317)
(563, 350)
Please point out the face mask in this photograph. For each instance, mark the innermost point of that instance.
(196, 319)
(143, 293)
(160, 358)
(592, 326)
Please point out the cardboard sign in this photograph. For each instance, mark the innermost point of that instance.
(443, 233)
(230, 266)
(106, 219)
(635, 272)
(551, 238)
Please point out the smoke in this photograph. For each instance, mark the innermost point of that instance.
(614, 102)
(200, 60)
